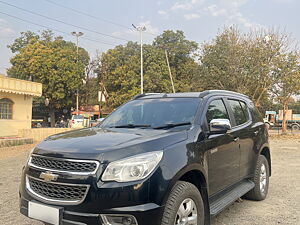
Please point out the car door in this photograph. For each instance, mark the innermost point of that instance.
(223, 151)
(243, 130)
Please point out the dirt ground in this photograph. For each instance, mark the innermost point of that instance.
(282, 205)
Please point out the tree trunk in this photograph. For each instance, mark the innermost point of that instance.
(52, 116)
(284, 112)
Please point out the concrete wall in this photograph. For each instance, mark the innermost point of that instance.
(22, 114)
(38, 134)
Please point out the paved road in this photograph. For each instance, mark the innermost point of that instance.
(281, 207)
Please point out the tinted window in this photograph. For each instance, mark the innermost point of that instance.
(256, 115)
(245, 110)
(216, 110)
(154, 112)
(238, 112)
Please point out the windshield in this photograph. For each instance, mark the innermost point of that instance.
(153, 113)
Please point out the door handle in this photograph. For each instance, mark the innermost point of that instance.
(236, 139)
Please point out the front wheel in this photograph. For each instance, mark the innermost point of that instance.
(261, 180)
(184, 206)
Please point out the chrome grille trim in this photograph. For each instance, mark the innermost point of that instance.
(55, 201)
(31, 164)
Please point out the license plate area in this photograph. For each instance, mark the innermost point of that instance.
(45, 213)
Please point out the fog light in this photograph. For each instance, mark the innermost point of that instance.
(119, 220)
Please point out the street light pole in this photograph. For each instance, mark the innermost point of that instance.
(141, 29)
(77, 35)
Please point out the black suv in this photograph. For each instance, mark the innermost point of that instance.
(160, 159)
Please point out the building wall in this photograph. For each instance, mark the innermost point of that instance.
(22, 114)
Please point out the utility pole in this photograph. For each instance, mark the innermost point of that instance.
(77, 35)
(170, 73)
(141, 29)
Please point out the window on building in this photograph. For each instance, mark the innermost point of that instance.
(6, 108)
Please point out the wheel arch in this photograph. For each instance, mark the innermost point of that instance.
(295, 124)
(265, 151)
(197, 177)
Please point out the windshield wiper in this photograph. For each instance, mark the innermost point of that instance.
(131, 126)
(171, 125)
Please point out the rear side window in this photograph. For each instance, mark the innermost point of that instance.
(240, 111)
(245, 110)
(257, 117)
(216, 110)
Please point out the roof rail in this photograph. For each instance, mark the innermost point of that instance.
(210, 92)
(145, 94)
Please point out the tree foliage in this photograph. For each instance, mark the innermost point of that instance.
(242, 62)
(120, 67)
(288, 83)
(51, 61)
(258, 64)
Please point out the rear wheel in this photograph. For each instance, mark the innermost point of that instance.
(295, 127)
(184, 206)
(261, 180)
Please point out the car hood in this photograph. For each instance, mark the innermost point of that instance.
(107, 144)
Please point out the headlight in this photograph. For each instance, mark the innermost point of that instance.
(133, 168)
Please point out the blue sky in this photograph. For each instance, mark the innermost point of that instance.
(199, 19)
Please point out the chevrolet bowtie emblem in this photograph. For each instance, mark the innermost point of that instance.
(48, 176)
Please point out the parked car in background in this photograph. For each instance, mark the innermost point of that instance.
(76, 121)
(160, 159)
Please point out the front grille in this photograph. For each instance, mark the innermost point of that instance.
(65, 165)
(58, 192)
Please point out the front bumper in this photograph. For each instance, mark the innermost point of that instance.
(141, 199)
(147, 214)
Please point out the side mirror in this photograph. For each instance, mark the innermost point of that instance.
(219, 126)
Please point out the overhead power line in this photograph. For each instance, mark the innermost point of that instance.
(87, 14)
(63, 32)
(62, 22)
(92, 16)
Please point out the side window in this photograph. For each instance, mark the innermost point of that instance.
(216, 110)
(256, 115)
(245, 110)
(238, 112)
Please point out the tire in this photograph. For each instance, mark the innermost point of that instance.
(184, 195)
(260, 191)
(295, 127)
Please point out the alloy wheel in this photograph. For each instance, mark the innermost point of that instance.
(187, 213)
(263, 178)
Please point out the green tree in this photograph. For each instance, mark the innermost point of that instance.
(120, 67)
(182, 56)
(242, 62)
(288, 84)
(22, 41)
(54, 63)
(120, 71)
